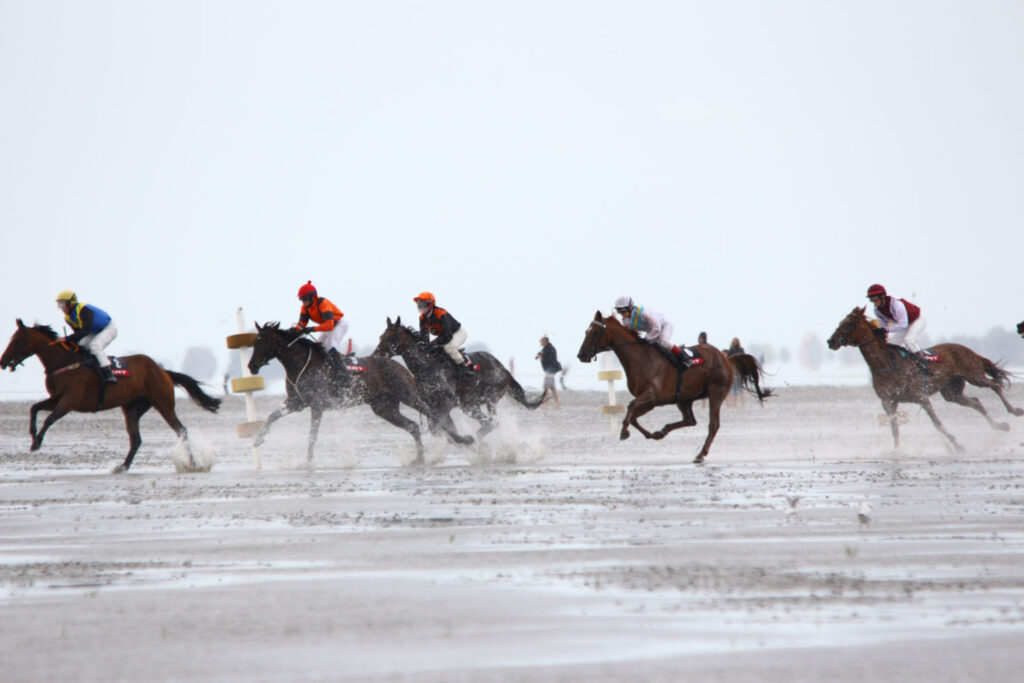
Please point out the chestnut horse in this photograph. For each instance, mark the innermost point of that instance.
(654, 380)
(74, 387)
(898, 379)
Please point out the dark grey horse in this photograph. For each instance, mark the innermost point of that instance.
(443, 385)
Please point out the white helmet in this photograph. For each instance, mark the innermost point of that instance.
(624, 302)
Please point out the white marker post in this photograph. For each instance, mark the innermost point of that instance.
(612, 409)
(246, 384)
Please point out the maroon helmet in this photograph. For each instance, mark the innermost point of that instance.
(876, 290)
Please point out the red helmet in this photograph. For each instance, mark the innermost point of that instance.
(876, 290)
(307, 290)
(424, 296)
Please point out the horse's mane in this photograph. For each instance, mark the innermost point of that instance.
(618, 322)
(46, 330)
(291, 335)
(414, 333)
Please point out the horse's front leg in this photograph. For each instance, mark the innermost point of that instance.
(59, 411)
(686, 408)
(286, 408)
(890, 411)
(316, 413)
(641, 405)
(33, 412)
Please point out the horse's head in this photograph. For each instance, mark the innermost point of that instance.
(596, 339)
(270, 342)
(854, 330)
(395, 339)
(26, 341)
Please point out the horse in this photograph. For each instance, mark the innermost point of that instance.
(897, 378)
(654, 380)
(312, 382)
(444, 386)
(75, 387)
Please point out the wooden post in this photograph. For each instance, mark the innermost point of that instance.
(246, 384)
(612, 409)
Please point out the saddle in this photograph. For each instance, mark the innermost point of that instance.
(928, 355)
(682, 357)
(118, 365)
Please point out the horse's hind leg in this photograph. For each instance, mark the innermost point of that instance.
(133, 412)
(316, 414)
(714, 413)
(486, 419)
(165, 406)
(386, 407)
(953, 391)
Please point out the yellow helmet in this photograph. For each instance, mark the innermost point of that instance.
(67, 295)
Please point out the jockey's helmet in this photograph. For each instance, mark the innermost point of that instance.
(307, 290)
(624, 304)
(424, 297)
(876, 290)
(67, 295)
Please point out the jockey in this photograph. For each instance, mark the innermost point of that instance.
(331, 323)
(901, 319)
(93, 329)
(651, 324)
(436, 321)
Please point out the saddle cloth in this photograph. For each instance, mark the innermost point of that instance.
(928, 354)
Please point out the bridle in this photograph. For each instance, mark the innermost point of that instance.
(611, 345)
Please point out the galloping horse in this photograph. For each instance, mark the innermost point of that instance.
(74, 387)
(898, 379)
(311, 382)
(443, 386)
(655, 381)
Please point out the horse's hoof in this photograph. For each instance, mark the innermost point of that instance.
(1003, 426)
(1018, 412)
(699, 460)
(36, 445)
(623, 436)
(120, 469)
(658, 435)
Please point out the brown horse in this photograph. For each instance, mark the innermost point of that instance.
(898, 379)
(654, 380)
(74, 387)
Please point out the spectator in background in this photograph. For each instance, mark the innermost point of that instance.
(702, 338)
(735, 349)
(549, 363)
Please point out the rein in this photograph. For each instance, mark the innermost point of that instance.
(613, 345)
(295, 383)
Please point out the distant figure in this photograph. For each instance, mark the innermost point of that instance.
(549, 363)
(902, 321)
(702, 338)
(735, 349)
(1020, 328)
(93, 330)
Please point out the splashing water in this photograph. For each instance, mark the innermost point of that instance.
(201, 454)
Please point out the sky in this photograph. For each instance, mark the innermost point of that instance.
(746, 168)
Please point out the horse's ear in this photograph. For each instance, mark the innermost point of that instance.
(389, 321)
(20, 324)
(398, 321)
(597, 316)
(258, 328)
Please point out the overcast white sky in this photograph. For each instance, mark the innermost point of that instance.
(748, 168)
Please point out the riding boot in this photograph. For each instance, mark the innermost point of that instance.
(108, 375)
(337, 362)
(468, 364)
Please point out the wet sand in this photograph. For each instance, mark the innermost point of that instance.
(553, 553)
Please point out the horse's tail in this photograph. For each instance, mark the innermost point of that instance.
(519, 394)
(195, 392)
(998, 375)
(750, 373)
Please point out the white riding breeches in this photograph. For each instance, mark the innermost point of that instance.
(331, 339)
(664, 339)
(452, 347)
(99, 341)
(908, 338)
